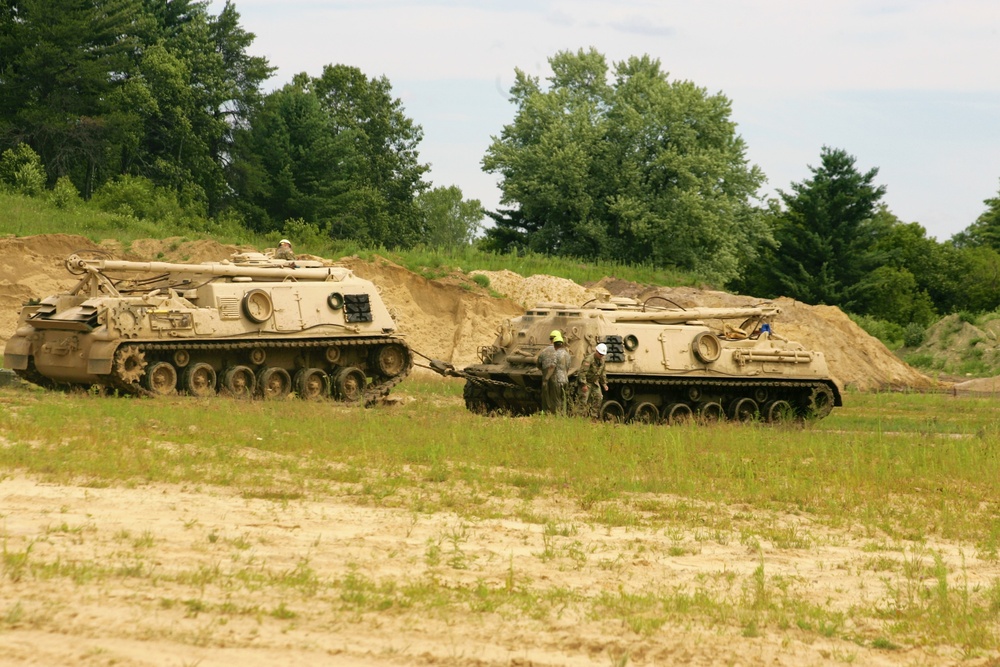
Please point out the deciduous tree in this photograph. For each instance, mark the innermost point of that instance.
(449, 220)
(625, 165)
(985, 231)
(387, 175)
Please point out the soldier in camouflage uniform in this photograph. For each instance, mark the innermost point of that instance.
(284, 250)
(590, 379)
(554, 362)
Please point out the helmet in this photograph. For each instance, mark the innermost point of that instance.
(556, 336)
(602, 349)
(284, 241)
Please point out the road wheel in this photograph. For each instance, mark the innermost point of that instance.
(161, 378)
(677, 413)
(778, 411)
(274, 383)
(199, 379)
(239, 381)
(744, 409)
(710, 412)
(349, 384)
(612, 411)
(645, 413)
(312, 383)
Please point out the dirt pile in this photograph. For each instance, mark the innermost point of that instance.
(450, 320)
(532, 290)
(856, 359)
(442, 321)
(32, 267)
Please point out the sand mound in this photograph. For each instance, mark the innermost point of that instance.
(450, 319)
(539, 289)
(176, 249)
(440, 321)
(32, 267)
(856, 359)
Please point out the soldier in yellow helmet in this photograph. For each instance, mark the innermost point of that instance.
(554, 363)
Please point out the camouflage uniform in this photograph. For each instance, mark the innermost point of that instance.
(589, 381)
(554, 364)
(284, 252)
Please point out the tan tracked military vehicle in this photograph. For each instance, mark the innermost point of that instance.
(252, 326)
(663, 364)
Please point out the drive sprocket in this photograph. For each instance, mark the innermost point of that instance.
(130, 364)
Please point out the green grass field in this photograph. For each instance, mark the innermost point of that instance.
(906, 465)
(899, 472)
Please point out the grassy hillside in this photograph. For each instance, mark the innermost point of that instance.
(26, 216)
(959, 345)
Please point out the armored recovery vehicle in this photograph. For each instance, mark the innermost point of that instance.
(249, 326)
(663, 364)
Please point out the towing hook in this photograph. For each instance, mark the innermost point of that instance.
(443, 367)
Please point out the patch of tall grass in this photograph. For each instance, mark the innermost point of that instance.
(903, 466)
(30, 216)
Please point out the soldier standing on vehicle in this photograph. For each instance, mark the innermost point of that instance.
(554, 363)
(591, 379)
(284, 250)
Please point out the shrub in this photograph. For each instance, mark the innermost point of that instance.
(914, 335)
(303, 235)
(21, 170)
(890, 333)
(64, 193)
(137, 196)
(481, 280)
(921, 360)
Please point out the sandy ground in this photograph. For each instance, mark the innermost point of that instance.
(167, 575)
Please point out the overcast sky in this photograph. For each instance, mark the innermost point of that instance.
(911, 87)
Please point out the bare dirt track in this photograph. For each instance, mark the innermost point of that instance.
(171, 575)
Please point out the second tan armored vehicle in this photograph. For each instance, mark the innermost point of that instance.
(251, 326)
(663, 364)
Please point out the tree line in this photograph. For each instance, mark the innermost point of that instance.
(155, 108)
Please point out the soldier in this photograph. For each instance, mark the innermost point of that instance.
(590, 379)
(554, 363)
(284, 250)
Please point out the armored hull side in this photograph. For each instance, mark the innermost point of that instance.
(663, 365)
(252, 326)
